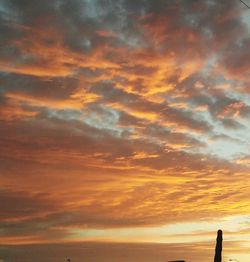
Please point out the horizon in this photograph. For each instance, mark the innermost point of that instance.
(108, 251)
(123, 251)
(124, 122)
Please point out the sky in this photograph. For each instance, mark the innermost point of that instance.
(125, 122)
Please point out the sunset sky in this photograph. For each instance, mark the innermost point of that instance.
(125, 121)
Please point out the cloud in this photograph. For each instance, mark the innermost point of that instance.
(19, 205)
(109, 112)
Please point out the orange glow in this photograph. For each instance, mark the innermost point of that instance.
(125, 123)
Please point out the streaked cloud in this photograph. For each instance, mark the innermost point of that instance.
(122, 115)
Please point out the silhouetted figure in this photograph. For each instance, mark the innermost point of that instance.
(218, 248)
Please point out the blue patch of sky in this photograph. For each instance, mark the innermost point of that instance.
(65, 114)
(227, 148)
(230, 142)
(8, 13)
(119, 23)
(93, 9)
(246, 18)
(104, 118)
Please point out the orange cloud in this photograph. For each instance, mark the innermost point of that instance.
(110, 117)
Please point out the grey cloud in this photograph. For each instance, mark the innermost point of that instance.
(165, 135)
(56, 88)
(19, 204)
(231, 123)
(181, 117)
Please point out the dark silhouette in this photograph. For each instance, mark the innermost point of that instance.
(68, 260)
(218, 248)
(177, 261)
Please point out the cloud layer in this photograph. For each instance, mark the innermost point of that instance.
(121, 114)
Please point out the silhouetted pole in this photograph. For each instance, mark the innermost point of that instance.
(218, 248)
